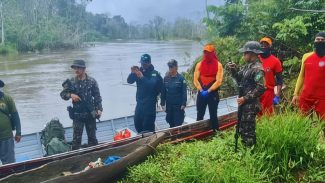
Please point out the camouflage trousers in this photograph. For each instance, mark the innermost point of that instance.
(78, 126)
(247, 127)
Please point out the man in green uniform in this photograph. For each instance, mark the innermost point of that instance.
(250, 80)
(87, 103)
(9, 120)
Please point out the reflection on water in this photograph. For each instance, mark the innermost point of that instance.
(34, 80)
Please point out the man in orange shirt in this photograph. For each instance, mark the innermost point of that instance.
(273, 77)
(309, 93)
(208, 76)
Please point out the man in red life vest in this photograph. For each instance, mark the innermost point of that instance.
(208, 76)
(273, 77)
(309, 93)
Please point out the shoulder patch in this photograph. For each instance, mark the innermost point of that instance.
(259, 76)
(154, 74)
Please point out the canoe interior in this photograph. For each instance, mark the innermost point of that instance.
(77, 163)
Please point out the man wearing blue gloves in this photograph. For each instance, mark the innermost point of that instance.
(208, 76)
(149, 85)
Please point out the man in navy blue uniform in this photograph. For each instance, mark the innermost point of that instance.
(149, 84)
(174, 95)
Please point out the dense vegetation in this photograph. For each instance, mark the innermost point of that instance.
(31, 25)
(289, 148)
(292, 30)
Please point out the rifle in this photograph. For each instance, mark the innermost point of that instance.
(69, 86)
(239, 114)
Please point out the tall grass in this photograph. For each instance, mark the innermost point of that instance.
(289, 149)
(286, 143)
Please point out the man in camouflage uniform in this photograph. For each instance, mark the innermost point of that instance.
(250, 80)
(87, 103)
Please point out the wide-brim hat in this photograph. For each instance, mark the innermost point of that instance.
(251, 46)
(79, 63)
(2, 84)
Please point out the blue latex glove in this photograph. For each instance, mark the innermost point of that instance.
(204, 93)
(276, 100)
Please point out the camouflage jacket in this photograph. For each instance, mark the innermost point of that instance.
(87, 90)
(250, 80)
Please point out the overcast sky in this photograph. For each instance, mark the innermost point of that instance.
(143, 10)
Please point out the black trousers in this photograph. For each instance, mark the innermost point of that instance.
(78, 126)
(212, 101)
(144, 117)
(174, 115)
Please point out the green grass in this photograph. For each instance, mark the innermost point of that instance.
(290, 148)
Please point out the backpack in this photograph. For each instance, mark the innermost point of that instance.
(53, 139)
(57, 146)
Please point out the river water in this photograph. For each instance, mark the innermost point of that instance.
(34, 80)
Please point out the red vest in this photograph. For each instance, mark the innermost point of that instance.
(314, 78)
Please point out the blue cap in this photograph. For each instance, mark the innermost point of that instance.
(145, 59)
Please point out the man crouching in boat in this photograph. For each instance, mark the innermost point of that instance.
(87, 103)
(250, 80)
(9, 120)
(149, 84)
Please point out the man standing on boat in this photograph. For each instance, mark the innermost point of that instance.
(9, 120)
(250, 80)
(87, 103)
(273, 77)
(174, 95)
(208, 76)
(309, 93)
(149, 84)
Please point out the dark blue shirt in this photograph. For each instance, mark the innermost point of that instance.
(148, 87)
(174, 90)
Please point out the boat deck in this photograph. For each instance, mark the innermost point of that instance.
(30, 146)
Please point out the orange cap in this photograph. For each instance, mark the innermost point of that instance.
(266, 39)
(209, 48)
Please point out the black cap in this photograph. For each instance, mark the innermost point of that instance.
(320, 34)
(172, 63)
(145, 59)
(79, 63)
(2, 84)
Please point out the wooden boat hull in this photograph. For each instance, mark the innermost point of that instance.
(132, 154)
(9, 169)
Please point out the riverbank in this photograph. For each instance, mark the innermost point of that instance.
(290, 148)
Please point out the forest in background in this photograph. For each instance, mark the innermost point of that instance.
(292, 24)
(35, 25)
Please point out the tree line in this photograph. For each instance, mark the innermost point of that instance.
(292, 24)
(31, 25)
